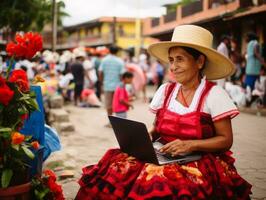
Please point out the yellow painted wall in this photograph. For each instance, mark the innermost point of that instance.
(130, 39)
(95, 31)
(106, 28)
(125, 41)
(82, 33)
(128, 27)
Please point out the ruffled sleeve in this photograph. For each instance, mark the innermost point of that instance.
(158, 99)
(220, 105)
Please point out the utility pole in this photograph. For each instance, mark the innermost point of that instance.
(114, 24)
(138, 30)
(114, 30)
(54, 25)
(137, 36)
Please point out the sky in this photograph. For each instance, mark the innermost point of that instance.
(85, 10)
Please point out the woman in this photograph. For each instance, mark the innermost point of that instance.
(192, 114)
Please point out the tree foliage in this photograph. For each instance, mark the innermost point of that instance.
(18, 15)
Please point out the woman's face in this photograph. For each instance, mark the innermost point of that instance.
(183, 66)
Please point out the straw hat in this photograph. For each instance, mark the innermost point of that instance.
(79, 52)
(217, 66)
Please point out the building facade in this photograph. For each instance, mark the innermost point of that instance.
(232, 17)
(103, 31)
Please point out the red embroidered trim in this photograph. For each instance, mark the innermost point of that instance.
(231, 113)
(153, 110)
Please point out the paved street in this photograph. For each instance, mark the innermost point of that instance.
(91, 139)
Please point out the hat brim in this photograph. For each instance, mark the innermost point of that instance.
(217, 66)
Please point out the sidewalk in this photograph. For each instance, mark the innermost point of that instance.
(254, 111)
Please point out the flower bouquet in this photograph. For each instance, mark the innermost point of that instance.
(17, 102)
(45, 187)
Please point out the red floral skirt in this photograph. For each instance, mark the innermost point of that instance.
(118, 176)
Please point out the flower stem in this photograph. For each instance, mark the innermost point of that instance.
(11, 61)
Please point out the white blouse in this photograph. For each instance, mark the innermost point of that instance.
(217, 103)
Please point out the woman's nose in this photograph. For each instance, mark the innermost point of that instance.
(173, 67)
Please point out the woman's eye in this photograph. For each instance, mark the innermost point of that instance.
(178, 59)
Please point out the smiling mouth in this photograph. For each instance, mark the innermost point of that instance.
(177, 73)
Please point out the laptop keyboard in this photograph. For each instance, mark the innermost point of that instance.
(162, 156)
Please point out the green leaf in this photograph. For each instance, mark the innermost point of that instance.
(34, 104)
(5, 129)
(5, 135)
(25, 97)
(32, 94)
(28, 138)
(41, 194)
(22, 110)
(15, 146)
(28, 152)
(6, 177)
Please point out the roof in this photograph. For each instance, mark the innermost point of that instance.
(251, 11)
(98, 21)
(90, 23)
(118, 19)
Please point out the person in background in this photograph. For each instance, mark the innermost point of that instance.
(143, 63)
(96, 64)
(160, 73)
(110, 71)
(64, 83)
(90, 73)
(78, 72)
(1, 64)
(121, 100)
(237, 59)
(223, 49)
(254, 60)
(259, 92)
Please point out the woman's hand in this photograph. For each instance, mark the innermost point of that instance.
(177, 147)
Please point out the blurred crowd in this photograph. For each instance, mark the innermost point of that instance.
(75, 74)
(78, 75)
(248, 83)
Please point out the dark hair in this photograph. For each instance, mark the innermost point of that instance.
(224, 37)
(113, 49)
(193, 52)
(24, 68)
(127, 75)
(252, 36)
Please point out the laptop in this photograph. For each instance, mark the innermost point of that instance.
(133, 139)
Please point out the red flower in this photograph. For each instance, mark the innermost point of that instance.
(55, 188)
(17, 138)
(11, 48)
(50, 173)
(6, 94)
(26, 47)
(19, 77)
(34, 44)
(24, 116)
(35, 145)
(18, 74)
